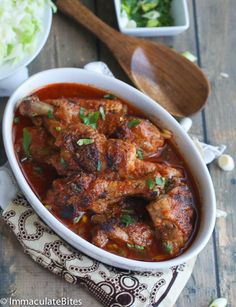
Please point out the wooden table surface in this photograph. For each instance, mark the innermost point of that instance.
(212, 39)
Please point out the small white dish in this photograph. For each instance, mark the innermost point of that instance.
(187, 149)
(179, 12)
(8, 69)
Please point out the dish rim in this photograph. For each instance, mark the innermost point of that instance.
(68, 235)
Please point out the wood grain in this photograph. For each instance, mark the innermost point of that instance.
(217, 47)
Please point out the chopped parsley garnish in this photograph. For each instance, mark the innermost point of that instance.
(140, 154)
(139, 247)
(99, 165)
(58, 129)
(82, 142)
(16, 120)
(134, 122)
(102, 112)
(168, 246)
(27, 139)
(150, 183)
(127, 220)
(109, 96)
(50, 114)
(160, 180)
(90, 119)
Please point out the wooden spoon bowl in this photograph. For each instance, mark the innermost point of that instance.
(159, 71)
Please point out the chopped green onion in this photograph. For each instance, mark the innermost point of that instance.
(50, 114)
(78, 218)
(168, 247)
(58, 129)
(99, 166)
(160, 180)
(150, 183)
(147, 13)
(90, 119)
(134, 122)
(27, 139)
(149, 5)
(81, 142)
(102, 112)
(139, 247)
(188, 55)
(140, 154)
(16, 120)
(127, 220)
(109, 96)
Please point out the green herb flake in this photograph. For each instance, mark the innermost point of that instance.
(102, 112)
(140, 154)
(99, 165)
(16, 120)
(82, 142)
(90, 119)
(27, 139)
(134, 122)
(58, 129)
(160, 180)
(127, 220)
(138, 247)
(109, 96)
(150, 183)
(77, 219)
(168, 246)
(50, 114)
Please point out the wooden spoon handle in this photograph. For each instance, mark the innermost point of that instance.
(80, 13)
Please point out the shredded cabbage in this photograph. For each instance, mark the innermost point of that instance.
(20, 23)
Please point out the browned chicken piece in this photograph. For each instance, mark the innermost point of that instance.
(31, 106)
(100, 194)
(140, 132)
(64, 189)
(85, 145)
(169, 171)
(172, 216)
(138, 233)
(68, 111)
(103, 193)
(44, 147)
(111, 106)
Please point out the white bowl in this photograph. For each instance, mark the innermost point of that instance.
(159, 116)
(179, 10)
(8, 69)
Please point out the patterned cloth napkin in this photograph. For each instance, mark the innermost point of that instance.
(111, 286)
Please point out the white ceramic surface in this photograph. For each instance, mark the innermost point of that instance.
(158, 115)
(179, 11)
(9, 69)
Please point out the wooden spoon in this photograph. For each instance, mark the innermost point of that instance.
(160, 72)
